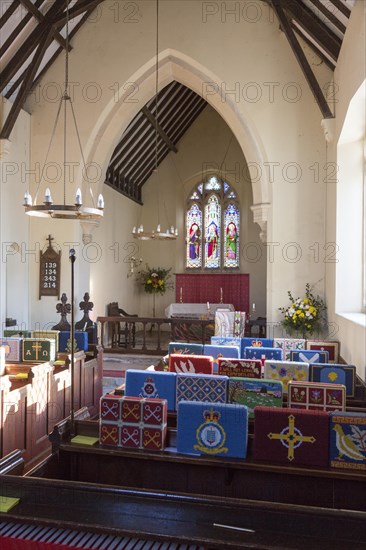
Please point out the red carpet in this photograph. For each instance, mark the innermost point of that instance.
(7, 543)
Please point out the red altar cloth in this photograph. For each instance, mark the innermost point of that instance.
(197, 288)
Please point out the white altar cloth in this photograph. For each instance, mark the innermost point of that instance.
(195, 310)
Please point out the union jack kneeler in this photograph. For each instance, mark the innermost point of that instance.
(244, 368)
(348, 441)
(291, 436)
(212, 429)
(191, 364)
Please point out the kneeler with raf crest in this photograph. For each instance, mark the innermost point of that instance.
(291, 436)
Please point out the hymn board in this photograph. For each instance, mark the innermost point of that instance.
(49, 274)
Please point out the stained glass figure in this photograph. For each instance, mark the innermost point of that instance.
(231, 227)
(194, 232)
(212, 230)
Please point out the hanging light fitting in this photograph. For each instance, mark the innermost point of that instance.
(64, 211)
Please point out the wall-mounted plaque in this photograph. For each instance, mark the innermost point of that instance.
(50, 268)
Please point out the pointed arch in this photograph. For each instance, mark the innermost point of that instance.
(136, 92)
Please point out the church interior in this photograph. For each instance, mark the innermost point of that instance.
(183, 194)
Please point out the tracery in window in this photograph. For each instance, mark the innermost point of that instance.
(212, 226)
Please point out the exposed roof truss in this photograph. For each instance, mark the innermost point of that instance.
(135, 158)
(32, 36)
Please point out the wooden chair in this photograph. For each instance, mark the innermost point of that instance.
(123, 333)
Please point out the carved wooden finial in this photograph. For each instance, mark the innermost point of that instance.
(63, 308)
(86, 305)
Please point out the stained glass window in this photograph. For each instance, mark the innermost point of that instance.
(213, 184)
(212, 226)
(194, 232)
(231, 227)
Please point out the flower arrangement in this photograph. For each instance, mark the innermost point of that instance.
(155, 280)
(305, 315)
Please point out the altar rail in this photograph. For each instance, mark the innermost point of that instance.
(153, 334)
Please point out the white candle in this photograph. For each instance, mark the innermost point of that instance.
(221, 295)
(181, 294)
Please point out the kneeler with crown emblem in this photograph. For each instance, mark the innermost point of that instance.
(212, 429)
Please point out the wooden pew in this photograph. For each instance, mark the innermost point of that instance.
(215, 476)
(210, 522)
(35, 397)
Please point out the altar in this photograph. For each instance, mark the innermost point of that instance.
(196, 321)
(200, 288)
(196, 311)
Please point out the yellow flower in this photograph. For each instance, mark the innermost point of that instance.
(306, 300)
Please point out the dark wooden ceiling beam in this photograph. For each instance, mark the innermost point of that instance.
(77, 9)
(159, 129)
(301, 58)
(135, 149)
(40, 17)
(27, 83)
(322, 8)
(29, 45)
(316, 29)
(18, 29)
(9, 12)
(314, 47)
(60, 50)
(341, 7)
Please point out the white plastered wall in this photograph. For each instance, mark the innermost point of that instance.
(14, 225)
(344, 217)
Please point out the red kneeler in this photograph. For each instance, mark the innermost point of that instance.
(291, 436)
